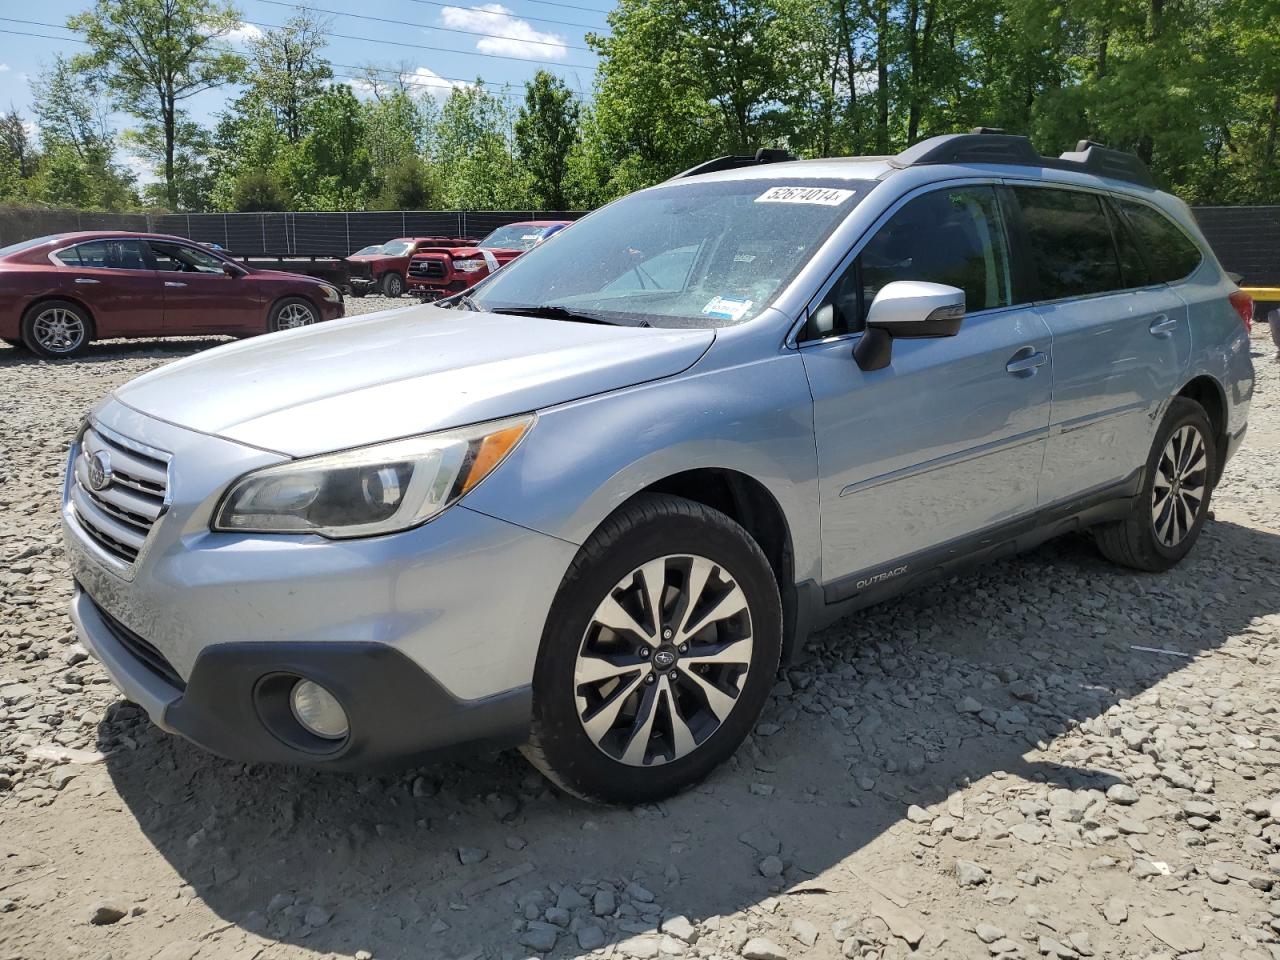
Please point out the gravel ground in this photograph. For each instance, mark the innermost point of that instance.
(988, 768)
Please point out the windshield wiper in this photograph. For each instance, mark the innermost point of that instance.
(550, 312)
(458, 300)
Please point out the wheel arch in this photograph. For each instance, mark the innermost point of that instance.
(274, 303)
(1209, 393)
(751, 505)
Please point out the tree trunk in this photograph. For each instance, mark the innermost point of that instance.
(170, 134)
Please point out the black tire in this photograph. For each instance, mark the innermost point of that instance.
(359, 291)
(34, 339)
(649, 527)
(392, 284)
(1136, 540)
(287, 314)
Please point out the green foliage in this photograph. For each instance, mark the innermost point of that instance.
(258, 190)
(546, 131)
(1192, 86)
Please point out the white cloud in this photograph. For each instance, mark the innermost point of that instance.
(243, 33)
(4, 68)
(421, 81)
(511, 35)
(141, 168)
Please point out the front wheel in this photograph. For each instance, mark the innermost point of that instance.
(291, 313)
(392, 284)
(1170, 511)
(660, 650)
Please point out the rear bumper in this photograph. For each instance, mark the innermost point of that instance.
(235, 701)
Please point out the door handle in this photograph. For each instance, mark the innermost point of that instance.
(86, 280)
(1162, 326)
(1025, 361)
(174, 283)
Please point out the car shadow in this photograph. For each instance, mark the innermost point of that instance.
(864, 724)
(103, 350)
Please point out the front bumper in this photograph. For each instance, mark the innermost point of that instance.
(235, 704)
(435, 629)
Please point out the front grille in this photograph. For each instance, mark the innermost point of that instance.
(428, 269)
(360, 270)
(145, 653)
(120, 515)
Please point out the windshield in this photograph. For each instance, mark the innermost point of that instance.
(514, 236)
(689, 254)
(396, 248)
(368, 251)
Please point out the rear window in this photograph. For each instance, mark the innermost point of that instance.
(1171, 253)
(1071, 243)
(27, 244)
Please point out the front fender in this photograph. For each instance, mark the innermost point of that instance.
(583, 459)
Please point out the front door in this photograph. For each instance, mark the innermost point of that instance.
(200, 297)
(1120, 343)
(917, 459)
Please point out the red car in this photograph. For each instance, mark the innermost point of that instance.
(384, 266)
(57, 293)
(449, 268)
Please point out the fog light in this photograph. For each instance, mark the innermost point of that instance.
(318, 710)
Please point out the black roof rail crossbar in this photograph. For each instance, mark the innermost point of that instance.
(989, 146)
(763, 155)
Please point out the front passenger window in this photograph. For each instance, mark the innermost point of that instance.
(952, 236)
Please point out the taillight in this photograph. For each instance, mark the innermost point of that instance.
(1244, 306)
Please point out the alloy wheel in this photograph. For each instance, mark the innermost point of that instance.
(294, 315)
(58, 330)
(664, 660)
(1178, 493)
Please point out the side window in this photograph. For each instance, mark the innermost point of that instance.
(953, 236)
(181, 258)
(110, 254)
(1171, 252)
(1133, 267)
(1071, 242)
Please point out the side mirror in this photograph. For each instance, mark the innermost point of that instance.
(907, 309)
(231, 270)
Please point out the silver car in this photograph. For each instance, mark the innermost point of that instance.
(591, 507)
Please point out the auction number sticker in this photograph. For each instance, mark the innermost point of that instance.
(826, 196)
(726, 308)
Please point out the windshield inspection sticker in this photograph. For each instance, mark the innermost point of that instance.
(726, 308)
(826, 196)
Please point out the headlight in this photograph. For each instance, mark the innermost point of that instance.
(468, 266)
(370, 490)
(331, 294)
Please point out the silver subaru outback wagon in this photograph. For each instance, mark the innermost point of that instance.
(591, 506)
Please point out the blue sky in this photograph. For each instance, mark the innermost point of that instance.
(498, 40)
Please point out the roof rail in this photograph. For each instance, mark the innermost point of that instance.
(988, 145)
(763, 155)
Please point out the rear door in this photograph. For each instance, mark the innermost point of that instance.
(919, 460)
(113, 277)
(200, 297)
(1121, 343)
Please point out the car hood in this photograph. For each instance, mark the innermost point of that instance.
(377, 377)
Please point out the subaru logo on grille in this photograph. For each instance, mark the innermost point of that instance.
(99, 471)
(663, 659)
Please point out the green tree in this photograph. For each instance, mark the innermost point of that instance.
(473, 151)
(546, 130)
(258, 190)
(288, 70)
(409, 184)
(331, 168)
(152, 56)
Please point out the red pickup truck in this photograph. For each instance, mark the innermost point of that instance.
(450, 267)
(384, 266)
